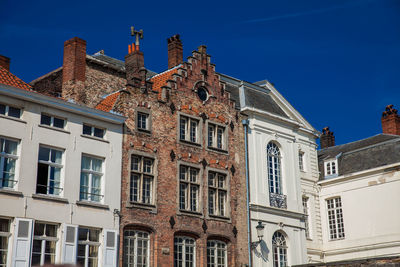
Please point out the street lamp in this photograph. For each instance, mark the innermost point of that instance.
(260, 234)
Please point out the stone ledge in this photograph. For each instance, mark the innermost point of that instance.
(50, 198)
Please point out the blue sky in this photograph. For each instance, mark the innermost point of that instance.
(337, 62)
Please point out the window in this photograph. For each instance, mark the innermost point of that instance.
(279, 250)
(306, 219)
(91, 173)
(189, 188)
(216, 136)
(44, 244)
(189, 129)
(217, 194)
(136, 249)
(49, 171)
(4, 234)
(93, 131)
(330, 167)
(143, 121)
(52, 121)
(88, 247)
(8, 159)
(301, 161)
(335, 218)
(202, 93)
(142, 178)
(216, 254)
(10, 111)
(184, 252)
(274, 168)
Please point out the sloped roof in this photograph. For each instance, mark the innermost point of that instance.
(368, 153)
(10, 79)
(161, 79)
(107, 104)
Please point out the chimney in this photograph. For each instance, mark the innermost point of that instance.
(74, 64)
(5, 62)
(175, 51)
(390, 121)
(327, 139)
(134, 64)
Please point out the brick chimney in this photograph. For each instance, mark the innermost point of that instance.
(390, 121)
(74, 64)
(327, 139)
(134, 63)
(5, 62)
(175, 51)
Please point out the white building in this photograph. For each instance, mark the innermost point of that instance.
(283, 173)
(60, 179)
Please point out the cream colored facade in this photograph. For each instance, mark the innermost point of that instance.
(22, 203)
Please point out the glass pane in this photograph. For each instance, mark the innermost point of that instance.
(2, 109)
(96, 164)
(10, 147)
(147, 163)
(83, 234)
(98, 132)
(87, 130)
(46, 120)
(44, 153)
(14, 112)
(50, 247)
(51, 230)
(8, 173)
(4, 225)
(59, 123)
(85, 163)
(39, 229)
(56, 156)
(94, 235)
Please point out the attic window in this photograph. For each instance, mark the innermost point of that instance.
(331, 167)
(202, 93)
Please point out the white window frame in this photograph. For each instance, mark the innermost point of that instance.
(279, 250)
(3, 157)
(50, 165)
(218, 198)
(216, 136)
(306, 210)
(335, 218)
(7, 110)
(87, 243)
(301, 161)
(189, 191)
(52, 120)
(186, 133)
(43, 239)
(92, 130)
(6, 235)
(274, 169)
(135, 239)
(92, 172)
(185, 246)
(218, 248)
(142, 173)
(331, 167)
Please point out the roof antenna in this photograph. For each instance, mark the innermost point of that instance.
(137, 34)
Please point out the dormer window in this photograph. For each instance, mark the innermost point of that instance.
(331, 167)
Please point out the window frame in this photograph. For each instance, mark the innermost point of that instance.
(336, 229)
(215, 187)
(199, 184)
(199, 130)
(90, 179)
(184, 247)
(153, 174)
(6, 235)
(225, 134)
(279, 250)
(92, 131)
(52, 117)
(140, 110)
(43, 238)
(276, 186)
(7, 111)
(302, 166)
(306, 210)
(331, 165)
(51, 165)
(3, 156)
(87, 243)
(216, 248)
(135, 239)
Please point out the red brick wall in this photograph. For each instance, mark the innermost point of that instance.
(391, 124)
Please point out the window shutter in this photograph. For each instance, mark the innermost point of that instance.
(22, 243)
(70, 240)
(110, 246)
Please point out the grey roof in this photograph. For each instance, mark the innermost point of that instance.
(234, 91)
(369, 153)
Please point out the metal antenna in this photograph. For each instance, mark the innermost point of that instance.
(137, 34)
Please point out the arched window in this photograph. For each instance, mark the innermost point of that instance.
(274, 168)
(279, 249)
(216, 254)
(136, 248)
(184, 251)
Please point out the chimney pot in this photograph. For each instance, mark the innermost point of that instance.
(5, 62)
(175, 51)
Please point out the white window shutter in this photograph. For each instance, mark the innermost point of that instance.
(22, 243)
(110, 248)
(70, 241)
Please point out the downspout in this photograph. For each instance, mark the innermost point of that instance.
(246, 125)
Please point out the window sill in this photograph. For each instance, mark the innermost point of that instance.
(54, 128)
(139, 205)
(95, 138)
(215, 149)
(50, 198)
(336, 239)
(186, 142)
(190, 213)
(11, 192)
(219, 218)
(11, 118)
(145, 131)
(92, 204)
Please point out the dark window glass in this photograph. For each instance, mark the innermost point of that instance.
(59, 123)
(14, 112)
(45, 120)
(98, 132)
(87, 130)
(2, 109)
(202, 93)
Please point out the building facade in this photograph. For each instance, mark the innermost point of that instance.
(60, 166)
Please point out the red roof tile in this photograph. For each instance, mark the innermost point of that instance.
(10, 79)
(161, 79)
(108, 103)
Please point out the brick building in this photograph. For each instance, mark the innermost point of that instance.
(183, 180)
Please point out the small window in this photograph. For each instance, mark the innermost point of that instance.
(331, 167)
(91, 179)
(143, 121)
(142, 179)
(8, 160)
(189, 188)
(202, 94)
(335, 218)
(216, 136)
(189, 129)
(93, 131)
(52, 121)
(44, 244)
(301, 161)
(4, 238)
(49, 171)
(88, 247)
(10, 111)
(217, 194)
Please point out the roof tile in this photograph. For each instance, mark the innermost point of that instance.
(10, 79)
(107, 104)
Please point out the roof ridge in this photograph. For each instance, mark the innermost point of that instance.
(166, 71)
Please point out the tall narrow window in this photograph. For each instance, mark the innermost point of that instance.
(142, 177)
(49, 171)
(143, 121)
(216, 136)
(136, 249)
(91, 175)
(8, 159)
(217, 194)
(279, 249)
(335, 218)
(184, 252)
(306, 219)
(44, 244)
(88, 247)
(4, 234)
(274, 168)
(301, 161)
(189, 188)
(216, 254)
(189, 129)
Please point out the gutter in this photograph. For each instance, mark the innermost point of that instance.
(246, 125)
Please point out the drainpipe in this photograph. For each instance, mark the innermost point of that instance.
(246, 125)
